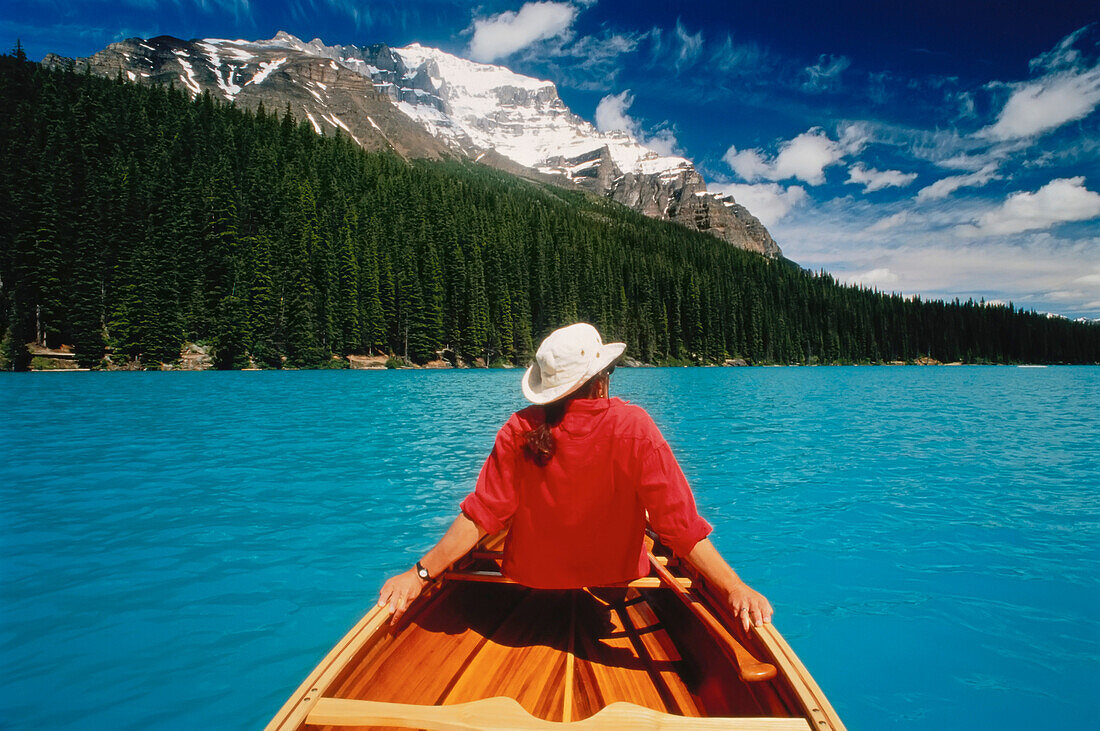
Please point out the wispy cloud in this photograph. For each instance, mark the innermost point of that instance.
(946, 186)
(873, 180)
(916, 253)
(1066, 89)
(590, 62)
(825, 74)
(893, 221)
(611, 116)
(691, 46)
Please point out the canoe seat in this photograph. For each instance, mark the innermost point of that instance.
(506, 713)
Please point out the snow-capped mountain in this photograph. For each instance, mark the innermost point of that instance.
(423, 102)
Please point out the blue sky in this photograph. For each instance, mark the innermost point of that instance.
(941, 148)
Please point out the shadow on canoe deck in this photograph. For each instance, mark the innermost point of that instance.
(477, 651)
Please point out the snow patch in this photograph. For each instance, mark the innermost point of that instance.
(337, 122)
(316, 127)
(238, 54)
(132, 75)
(265, 70)
(190, 81)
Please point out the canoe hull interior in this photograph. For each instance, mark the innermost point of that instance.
(565, 657)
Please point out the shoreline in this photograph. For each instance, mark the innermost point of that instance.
(196, 357)
(168, 369)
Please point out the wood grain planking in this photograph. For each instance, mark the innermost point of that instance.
(524, 658)
(421, 663)
(609, 667)
(666, 662)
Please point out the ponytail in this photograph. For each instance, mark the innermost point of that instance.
(539, 444)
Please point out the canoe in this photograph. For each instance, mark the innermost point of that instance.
(478, 651)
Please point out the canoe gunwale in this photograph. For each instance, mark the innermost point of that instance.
(806, 692)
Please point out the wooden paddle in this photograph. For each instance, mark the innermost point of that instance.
(752, 670)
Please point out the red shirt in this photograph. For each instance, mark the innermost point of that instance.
(580, 520)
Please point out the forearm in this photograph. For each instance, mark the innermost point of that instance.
(749, 605)
(713, 567)
(459, 538)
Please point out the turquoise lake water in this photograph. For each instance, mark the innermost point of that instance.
(178, 550)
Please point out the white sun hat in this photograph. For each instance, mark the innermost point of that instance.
(565, 360)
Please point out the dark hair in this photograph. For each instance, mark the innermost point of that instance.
(540, 445)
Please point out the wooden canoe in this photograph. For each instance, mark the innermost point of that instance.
(477, 651)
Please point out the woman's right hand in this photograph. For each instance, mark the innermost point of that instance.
(398, 593)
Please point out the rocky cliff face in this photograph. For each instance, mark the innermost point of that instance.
(422, 102)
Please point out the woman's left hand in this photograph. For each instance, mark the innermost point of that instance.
(399, 592)
(750, 606)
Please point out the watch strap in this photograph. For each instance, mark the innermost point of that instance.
(423, 572)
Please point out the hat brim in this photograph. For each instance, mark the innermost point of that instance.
(536, 393)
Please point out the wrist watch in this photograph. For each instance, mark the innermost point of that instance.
(422, 572)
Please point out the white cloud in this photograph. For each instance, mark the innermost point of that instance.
(873, 180)
(505, 33)
(1033, 270)
(825, 74)
(1059, 201)
(611, 116)
(1046, 104)
(748, 164)
(663, 141)
(889, 222)
(805, 157)
(873, 278)
(1067, 91)
(946, 186)
(769, 202)
(611, 113)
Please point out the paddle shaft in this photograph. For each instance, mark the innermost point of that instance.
(751, 669)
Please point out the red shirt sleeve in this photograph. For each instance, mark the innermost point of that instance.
(493, 501)
(666, 495)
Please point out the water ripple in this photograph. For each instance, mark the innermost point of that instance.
(178, 550)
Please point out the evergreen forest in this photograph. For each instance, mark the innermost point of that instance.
(134, 218)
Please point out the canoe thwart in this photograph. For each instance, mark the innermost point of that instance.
(495, 577)
(506, 713)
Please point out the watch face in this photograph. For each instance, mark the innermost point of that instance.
(423, 573)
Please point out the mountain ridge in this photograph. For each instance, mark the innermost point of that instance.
(421, 102)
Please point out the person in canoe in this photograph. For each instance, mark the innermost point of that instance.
(574, 477)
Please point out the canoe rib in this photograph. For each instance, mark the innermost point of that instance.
(506, 713)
